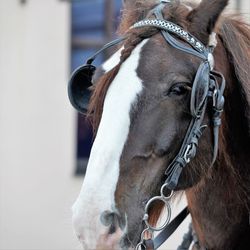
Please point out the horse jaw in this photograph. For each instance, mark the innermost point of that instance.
(98, 190)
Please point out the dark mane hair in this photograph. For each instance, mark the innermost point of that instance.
(235, 34)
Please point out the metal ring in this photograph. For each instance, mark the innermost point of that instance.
(146, 216)
(186, 157)
(162, 191)
(143, 233)
(139, 246)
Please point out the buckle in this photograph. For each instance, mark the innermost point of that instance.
(215, 94)
(186, 156)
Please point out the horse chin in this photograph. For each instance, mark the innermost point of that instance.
(109, 241)
(131, 236)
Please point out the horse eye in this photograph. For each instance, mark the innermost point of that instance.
(179, 89)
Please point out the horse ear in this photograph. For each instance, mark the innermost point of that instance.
(128, 4)
(203, 19)
(128, 14)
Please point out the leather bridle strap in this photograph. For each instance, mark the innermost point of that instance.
(155, 243)
(218, 104)
(157, 11)
(106, 46)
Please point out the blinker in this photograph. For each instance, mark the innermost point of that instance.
(79, 87)
(200, 89)
(79, 91)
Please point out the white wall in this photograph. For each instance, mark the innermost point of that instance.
(37, 187)
(244, 10)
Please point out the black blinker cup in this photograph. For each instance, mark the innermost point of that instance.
(79, 87)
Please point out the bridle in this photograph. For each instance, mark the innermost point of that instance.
(205, 87)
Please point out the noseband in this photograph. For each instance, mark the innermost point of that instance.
(205, 87)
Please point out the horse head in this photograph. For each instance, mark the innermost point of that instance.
(148, 97)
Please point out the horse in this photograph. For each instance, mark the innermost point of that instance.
(143, 99)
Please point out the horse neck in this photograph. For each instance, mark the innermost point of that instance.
(219, 202)
(219, 209)
(220, 219)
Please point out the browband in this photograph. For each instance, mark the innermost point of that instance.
(173, 28)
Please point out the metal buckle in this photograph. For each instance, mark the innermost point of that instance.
(215, 92)
(186, 157)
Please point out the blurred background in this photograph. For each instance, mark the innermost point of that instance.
(44, 143)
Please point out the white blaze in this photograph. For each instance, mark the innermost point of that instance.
(112, 61)
(98, 190)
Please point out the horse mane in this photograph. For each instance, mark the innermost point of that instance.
(235, 34)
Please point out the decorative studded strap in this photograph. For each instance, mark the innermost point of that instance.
(173, 28)
(157, 11)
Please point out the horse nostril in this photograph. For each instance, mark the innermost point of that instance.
(111, 220)
(107, 218)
